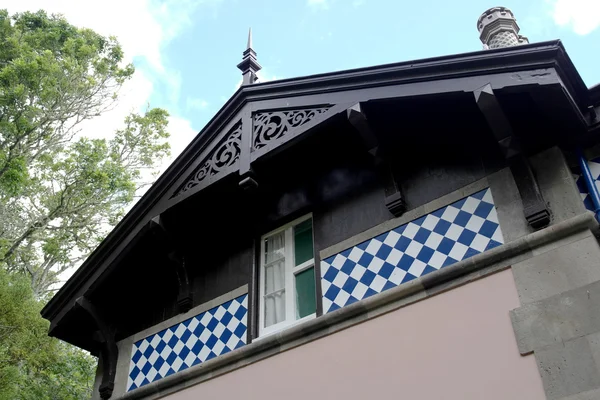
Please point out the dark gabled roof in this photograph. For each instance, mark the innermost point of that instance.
(595, 94)
(527, 57)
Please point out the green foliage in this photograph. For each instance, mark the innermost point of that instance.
(59, 196)
(15, 174)
(52, 76)
(60, 192)
(33, 365)
(74, 196)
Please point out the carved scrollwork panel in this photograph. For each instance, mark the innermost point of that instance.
(225, 155)
(271, 125)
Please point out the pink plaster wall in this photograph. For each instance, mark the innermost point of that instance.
(457, 345)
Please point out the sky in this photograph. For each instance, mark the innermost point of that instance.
(186, 51)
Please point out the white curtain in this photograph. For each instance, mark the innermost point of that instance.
(274, 247)
(274, 298)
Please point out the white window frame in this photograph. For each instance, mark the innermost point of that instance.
(290, 283)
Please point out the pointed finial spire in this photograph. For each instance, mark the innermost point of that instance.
(249, 46)
(249, 65)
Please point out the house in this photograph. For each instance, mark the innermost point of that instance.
(419, 230)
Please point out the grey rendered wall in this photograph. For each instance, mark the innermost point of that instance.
(558, 287)
(545, 265)
(557, 283)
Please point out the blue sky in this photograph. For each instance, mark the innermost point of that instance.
(186, 51)
(295, 38)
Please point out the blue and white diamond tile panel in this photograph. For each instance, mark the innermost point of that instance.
(452, 233)
(583, 191)
(193, 341)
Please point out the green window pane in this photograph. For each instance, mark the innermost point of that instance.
(306, 302)
(303, 242)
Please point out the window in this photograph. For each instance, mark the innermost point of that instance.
(287, 276)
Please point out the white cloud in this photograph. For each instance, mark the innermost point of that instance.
(193, 103)
(132, 98)
(583, 16)
(142, 26)
(183, 133)
(172, 81)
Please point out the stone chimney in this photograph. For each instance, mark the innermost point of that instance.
(498, 28)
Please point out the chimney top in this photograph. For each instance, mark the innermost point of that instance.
(498, 28)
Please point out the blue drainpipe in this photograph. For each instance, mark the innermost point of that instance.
(589, 182)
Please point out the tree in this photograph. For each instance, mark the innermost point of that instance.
(34, 366)
(75, 195)
(60, 192)
(53, 76)
(59, 196)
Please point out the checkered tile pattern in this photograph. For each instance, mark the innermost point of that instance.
(444, 237)
(583, 191)
(193, 341)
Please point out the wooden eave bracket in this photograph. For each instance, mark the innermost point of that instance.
(394, 200)
(177, 259)
(536, 212)
(109, 352)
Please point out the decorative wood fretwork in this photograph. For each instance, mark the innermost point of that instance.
(225, 155)
(271, 125)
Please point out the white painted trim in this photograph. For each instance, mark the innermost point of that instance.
(288, 225)
(288, 326)
(290, 283)
(305, 265)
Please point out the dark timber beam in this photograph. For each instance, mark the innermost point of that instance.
(534, 207)
(248, 179)
(105, 336)
(184, 293)
(394, 200)
(178, 259)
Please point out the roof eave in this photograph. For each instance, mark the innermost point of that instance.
(529, 56)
